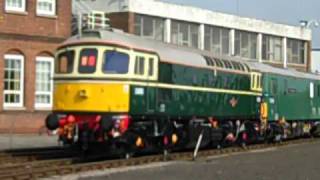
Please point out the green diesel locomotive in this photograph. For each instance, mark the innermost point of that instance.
(137, 94)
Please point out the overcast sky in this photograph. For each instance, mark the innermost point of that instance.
(282, 11)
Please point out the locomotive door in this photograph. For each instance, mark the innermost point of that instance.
(152, 72)
(272, 101)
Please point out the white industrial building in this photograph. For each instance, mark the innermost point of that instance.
(251, 39)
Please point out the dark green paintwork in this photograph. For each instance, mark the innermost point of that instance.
(289, 97)
(182, 103)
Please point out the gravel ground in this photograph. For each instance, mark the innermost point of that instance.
(295, 162)
(15, 141)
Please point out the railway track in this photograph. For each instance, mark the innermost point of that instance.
(47, 168)
(33, 154)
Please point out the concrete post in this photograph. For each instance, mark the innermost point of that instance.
(201, 36)
(284, 51)
(232, 42)
(259, 48)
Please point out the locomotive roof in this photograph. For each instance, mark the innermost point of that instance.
(176, 54)
(285, 72)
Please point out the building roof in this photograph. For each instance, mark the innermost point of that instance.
(198, 15)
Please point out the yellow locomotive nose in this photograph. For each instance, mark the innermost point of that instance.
(91, 97)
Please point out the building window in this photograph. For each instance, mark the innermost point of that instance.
(13, 80)
(296, 51)
(272, 48)
(44, 82)
(217, 40)
(149, 27)
(46, 7)
(15, 5)
(185, 34)
(246, 44)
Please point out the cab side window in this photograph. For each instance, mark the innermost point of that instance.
(64, 63)
(151, 67)
(139, 65)
(256, 82)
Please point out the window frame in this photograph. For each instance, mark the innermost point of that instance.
(210, 33)
(103, 60)
(45, 105)
(180, 30)
(15, 9)
(80, 68)
(158, 24)
(270, 46)
(140, 60)
(57, 61)
(256, 81)
(248, 38)
(21, 58)
(147, 57)
(291, 55)
(47, 13)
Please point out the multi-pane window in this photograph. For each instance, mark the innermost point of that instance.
(44, 82)
(272, 48)
(217, 40)
(46, 7)
(296, 51)
(149, 27)
(13, 80)
(15, 5)
(246, 44)
(185, 34)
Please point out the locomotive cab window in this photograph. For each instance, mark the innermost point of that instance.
(64, 62)
(144, 65)
(151, 67)
(115, 63)
(256, 82)
(139, 65)
(88, 60)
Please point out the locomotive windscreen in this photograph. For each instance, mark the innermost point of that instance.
(115, 63)
(88, 60)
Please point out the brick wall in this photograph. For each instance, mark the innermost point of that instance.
(29, 35)
(122, 20)
(29, 23)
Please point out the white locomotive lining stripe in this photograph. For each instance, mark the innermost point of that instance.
(167, 86)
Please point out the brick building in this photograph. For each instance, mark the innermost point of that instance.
(30, 31)
(248, 38)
